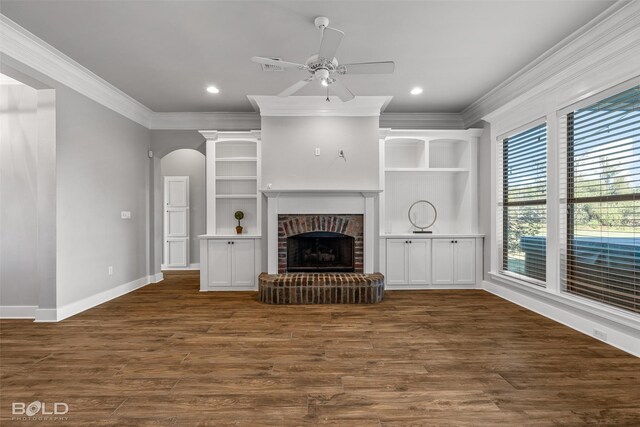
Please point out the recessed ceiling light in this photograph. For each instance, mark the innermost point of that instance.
(416, 91)
(213, 89)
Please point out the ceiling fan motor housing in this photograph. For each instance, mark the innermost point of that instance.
(321, 22)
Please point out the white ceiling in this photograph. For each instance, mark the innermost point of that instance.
(164, 54)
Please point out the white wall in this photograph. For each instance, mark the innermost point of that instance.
(288, 152)
(103, 168)
(191, 163)
(18, 195)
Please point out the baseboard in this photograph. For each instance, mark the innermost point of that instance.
(426, 287)
(194, 266)
(68, 310)
(622, 336)
(158, 277)
(231, 288)
(18, 311)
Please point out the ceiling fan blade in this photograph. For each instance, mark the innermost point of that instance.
(295, 87)
(278, 63)
(331, 39)
(385, 67)
(341, 90)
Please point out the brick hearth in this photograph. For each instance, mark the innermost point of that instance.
(321, 288)
(349, 225)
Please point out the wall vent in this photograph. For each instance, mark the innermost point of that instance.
(270, 68)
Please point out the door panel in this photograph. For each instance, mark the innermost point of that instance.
(176, 254)
(442, 261)
(243, 263)
(418, 261)
(177, 191)
(464, 261)
(396, 262)
(219, 263)
(176, 224)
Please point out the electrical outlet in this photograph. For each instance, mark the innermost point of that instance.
(125, 215)
(601, 335)
(317, 151)
(110, 270)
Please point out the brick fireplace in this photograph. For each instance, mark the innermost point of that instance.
(320, 243)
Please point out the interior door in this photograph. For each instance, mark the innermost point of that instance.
(464, 261)
(442, 261)
(176, 221)
(419, 258)
(396, 262)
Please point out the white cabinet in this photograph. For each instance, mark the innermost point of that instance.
(454, 261)
(408, 261)
(230, 264)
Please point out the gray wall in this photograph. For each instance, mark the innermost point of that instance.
(19, 284)
(288, 158)
(484, 193)
(191, 163)
(103, 168)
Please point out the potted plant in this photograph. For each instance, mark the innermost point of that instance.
(239, 215)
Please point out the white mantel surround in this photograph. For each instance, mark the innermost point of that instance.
(321, 202)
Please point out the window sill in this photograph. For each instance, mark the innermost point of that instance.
(583, 305)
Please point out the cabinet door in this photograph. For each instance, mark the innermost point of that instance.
(243, 263)
(396, 262)
(219, 263)
(442, 261)
(464, 261)
(418, 260)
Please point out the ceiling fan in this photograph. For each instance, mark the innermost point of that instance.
(325, 67)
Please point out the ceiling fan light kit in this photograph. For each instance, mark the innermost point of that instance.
(324, 66)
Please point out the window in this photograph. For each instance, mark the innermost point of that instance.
(600, 225)
(524, 204)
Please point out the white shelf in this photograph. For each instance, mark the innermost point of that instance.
(430, 170)
(236, 196)
(236, 178)
(237, 159)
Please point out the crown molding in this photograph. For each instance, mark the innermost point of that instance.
(23, 46)
(611, 33)
(318, 106)
(421, 121)
(220, 121)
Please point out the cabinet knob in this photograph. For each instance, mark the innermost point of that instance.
(228, 243)
(233, 243)
(456, 241)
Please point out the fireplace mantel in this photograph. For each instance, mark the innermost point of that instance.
(293, 201)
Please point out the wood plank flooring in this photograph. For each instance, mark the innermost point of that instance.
(170, 355)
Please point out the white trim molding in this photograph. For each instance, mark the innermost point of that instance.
(192, 266)
(421, 121)
(611, 34)
(192, 121)
(23, 46)
(318, 106)
(18, 311)
(621, 331)
(76, 307)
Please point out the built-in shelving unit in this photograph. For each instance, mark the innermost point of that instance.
(434, 165)
(233, 180)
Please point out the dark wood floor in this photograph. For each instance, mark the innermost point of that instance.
(170, 355)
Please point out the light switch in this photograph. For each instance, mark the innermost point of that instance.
(125, 215)
(317, 151)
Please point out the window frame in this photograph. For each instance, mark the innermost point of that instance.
(503, 203)
(570, 200)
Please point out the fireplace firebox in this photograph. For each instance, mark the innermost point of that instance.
(320, 251)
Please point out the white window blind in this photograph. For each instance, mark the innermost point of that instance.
(522, 231)
(600, 201)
